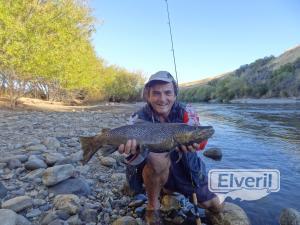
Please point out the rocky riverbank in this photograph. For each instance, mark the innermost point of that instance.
(39, 164)
(43, 182)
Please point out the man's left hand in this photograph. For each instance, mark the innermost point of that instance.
(188, 148)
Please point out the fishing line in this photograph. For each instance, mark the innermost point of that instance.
(172, 44)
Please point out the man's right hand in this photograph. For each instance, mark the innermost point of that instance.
(129, 147)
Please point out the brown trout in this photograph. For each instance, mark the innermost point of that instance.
(155, 137)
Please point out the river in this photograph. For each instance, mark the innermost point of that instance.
(258, 136)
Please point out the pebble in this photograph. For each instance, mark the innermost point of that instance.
(36, 148)
(56, 174)
(18, 204)
(108, 161)
(76, 186)
(8, 217)
(289, 216)
(34, 162)
(3, 190)
(33, 213)
(14, 163)
(69, 203)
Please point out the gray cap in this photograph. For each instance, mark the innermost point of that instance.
(161, 76)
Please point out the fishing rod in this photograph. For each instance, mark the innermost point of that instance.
(194, 196)
(172, 44)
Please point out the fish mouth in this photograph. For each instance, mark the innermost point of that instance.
(207, 132)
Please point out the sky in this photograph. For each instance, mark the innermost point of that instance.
(211, 37)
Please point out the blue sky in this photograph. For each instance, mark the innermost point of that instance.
(210, 37)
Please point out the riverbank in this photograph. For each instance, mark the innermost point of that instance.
(31, 104)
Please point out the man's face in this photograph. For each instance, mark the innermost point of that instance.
(161, 98)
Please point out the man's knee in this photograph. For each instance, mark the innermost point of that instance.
(159, 163)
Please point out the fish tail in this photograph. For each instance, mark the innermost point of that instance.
(89, 146)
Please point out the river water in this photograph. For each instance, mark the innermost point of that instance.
(258, 136)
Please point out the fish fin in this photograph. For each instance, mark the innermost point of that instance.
(89, 147)
(179, 156)
(107, 150)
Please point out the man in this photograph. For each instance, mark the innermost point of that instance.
(161, 170)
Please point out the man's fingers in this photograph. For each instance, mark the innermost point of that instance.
(121, 148)
(196, 146)
(133, 146)
(191, 148)
(128, 146)
(183, 148)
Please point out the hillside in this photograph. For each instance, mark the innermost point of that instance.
(265, 78)
(196, 83)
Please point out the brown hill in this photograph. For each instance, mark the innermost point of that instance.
(264, 78)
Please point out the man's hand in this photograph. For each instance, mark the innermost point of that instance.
(188, 148)
(129, 147)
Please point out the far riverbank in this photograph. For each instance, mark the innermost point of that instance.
(266, 100)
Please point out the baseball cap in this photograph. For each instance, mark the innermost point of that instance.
(161, 76)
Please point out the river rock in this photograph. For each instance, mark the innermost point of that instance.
(89, 215)
(74, 220)
(77, 156)
(21, 220)
(33, 213)
(14, 163)
(77, 186)
(136, 203)
(108, 161)
(57, 222)
(34, 162)
(22, 158)
(36, 148)
(213, 153)
(3, 191)
(18, 204)
(69, 203)
(48, 218)
(39, 202)
(118, 177)
(62, 214)
(34, 174)
(53, 157)
(289, 216)
(172, 202)
(56, 174)
(51, 143)
(8, 217)
(232, 215)
(125, 220)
